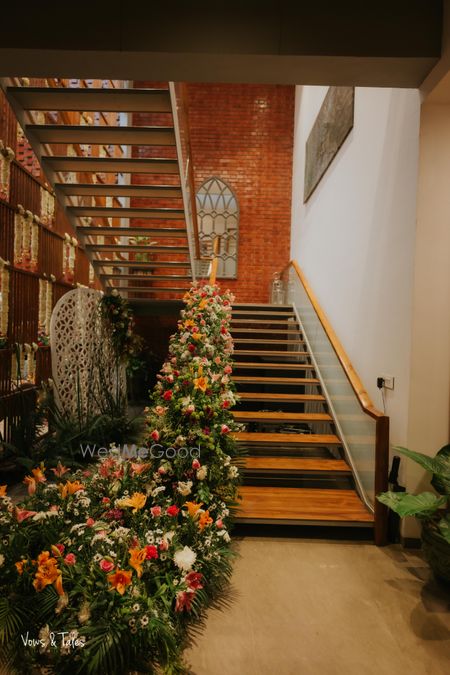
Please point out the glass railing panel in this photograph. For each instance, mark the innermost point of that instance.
(357, 428)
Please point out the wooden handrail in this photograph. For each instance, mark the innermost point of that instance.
(382, 421)
(214, 262)
(190, 177)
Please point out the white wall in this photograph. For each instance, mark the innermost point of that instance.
(355, 237)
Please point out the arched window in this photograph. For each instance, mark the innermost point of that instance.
(218, 216)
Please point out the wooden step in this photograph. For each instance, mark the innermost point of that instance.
(94, 231)
(273, 465)
(282, 398)
(271, 353)
(94, 135)
(269, 331)
(269, 322)
(263, 305)
(284, 417)
(274, 380)
(140, 265)
(135, 248)
(255, 341)
(258, 365)
(125, 212)
(251, 438)
(239, 312)
(140, 277)
(158, 165)
(116, 190)
(93, 99)
(280, 505)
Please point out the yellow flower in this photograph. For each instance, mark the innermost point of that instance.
(136, 501)
(197, 336)
(189, 323)
(47, 573)
(192, 508)
(201, 383)
(70, 488)
(3, 489)
(120, 579)
(203, 303)
(137, 557)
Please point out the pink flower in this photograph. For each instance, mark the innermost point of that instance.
(106, 565)
(23, 514)
(224, 429)
(189, 409)
(219, 523)
(60, 548)
(90, 522)
(160, 410)
(155, 511)
(194, 580)
(196, 464)
(106, 500)
(227, 370)
(217, 360)
(164, 545)
(162, 471)
(70, 559)
(152, 552)
(168, 395)
(173, 510)
(155, 435)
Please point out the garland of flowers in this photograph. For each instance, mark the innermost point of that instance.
(45, 310)
(4, 303)
(47, 207)
(6, 157)
(119, 316)
(107, 567)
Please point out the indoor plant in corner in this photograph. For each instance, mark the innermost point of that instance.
(433, 510)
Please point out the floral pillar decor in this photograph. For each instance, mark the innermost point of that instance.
(18, 235)
(47, 207)
(69, 255)
(23, 227)
(45, 311)
(6, 157)
(4, 302)
(91, 275)
(34, 244)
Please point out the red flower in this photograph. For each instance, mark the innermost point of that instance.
(152, 552)
(60, 548)
(196, 464)
(173, 510)
(191, 348)
(184, 601)
(70, 559)
(225, 404)
(168, 395)
(224, 429)
(194, 580)
(90, 522)
(106, 565)
(155, 435)
(155, 511)
(106, 500)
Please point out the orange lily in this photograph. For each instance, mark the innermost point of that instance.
(70, 488)
(203, 303)
(60, 470)
(47, 573)
(137, 557)
(137, 468)
(192, 508)
(136, 501)
(119, 580)
(201, 383)
(197, 336)
(23, 514)
(3, 489)
(20, 565)
(189, 323)
(204, 520)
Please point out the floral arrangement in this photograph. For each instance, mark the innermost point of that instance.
(119, 316)
(103, 570)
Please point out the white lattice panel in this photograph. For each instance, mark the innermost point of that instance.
(84, 368)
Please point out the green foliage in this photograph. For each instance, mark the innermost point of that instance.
(422, 506)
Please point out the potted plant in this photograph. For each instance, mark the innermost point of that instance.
(433, 510)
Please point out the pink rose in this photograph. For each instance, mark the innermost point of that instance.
(224, 429)
(70, 559)
(155, 511)
(219, 523)
(106, 565)
(90, 522)
(106, 500)
(228, 369)
(196, 464)
(164, 545)
(155, 435)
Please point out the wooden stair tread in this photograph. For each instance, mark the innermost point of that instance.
(267, 342)
(272, 353)
(276, 331)
(286, 439)
(295, 464)
(258, 396)
(264, 313)
(266, 504)
(246, 416)
(282, 366)
(275, 380)
(270, 322)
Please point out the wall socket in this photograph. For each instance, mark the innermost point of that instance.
(389, 381)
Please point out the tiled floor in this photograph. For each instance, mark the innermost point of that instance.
(314, 607)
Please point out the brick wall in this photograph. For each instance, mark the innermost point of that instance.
(244, 134)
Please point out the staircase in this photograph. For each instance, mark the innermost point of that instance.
(117, 179)
(295, 469)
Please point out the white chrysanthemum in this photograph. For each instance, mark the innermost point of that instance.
(184, 558)
(202, 472)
